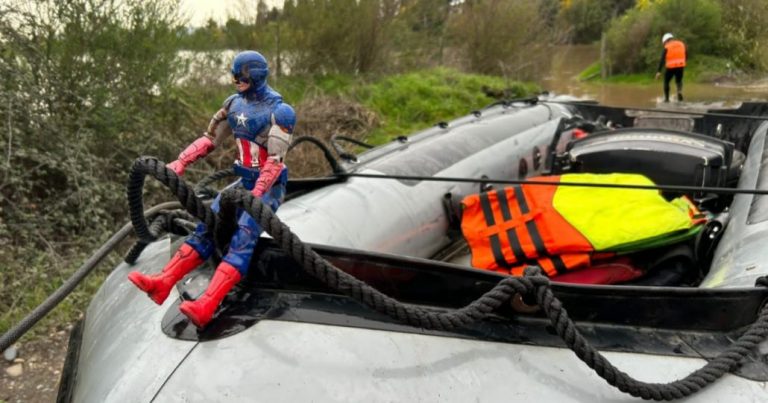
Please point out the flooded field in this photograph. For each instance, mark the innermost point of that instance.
(569, 61)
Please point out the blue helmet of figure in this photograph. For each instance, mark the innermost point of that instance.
(285, 117)
(251, 65)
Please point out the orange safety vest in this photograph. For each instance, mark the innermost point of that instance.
(675, 54)
(508, 229)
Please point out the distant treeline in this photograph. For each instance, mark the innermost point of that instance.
(384, 36)
(500, 37)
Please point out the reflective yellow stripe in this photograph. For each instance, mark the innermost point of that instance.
(611, 217)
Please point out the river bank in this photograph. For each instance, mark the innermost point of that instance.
(568, 62)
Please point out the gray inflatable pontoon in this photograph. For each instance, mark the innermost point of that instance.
(283, 336)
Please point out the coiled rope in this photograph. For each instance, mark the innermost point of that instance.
(532, 283)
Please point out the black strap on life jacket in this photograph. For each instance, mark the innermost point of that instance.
(514, 240)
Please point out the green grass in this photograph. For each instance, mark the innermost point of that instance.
(590, 73)
(417, 100)
(41, 275)
(405, 103)
(699, 69)
(706, 68)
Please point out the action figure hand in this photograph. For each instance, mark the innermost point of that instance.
(177, 166)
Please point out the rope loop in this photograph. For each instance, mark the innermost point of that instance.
(152, 166)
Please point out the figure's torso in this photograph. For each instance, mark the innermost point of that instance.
(250, 120)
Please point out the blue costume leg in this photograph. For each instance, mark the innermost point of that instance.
(196, 250)
(202, 240)
(247, 235)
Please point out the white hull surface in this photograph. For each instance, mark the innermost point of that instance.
(304, 362)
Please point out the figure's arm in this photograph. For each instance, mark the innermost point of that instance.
(278, 141)
(267, 176)
(218, 128)
(661, 61)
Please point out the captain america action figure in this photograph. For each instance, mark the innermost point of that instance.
(262, 126)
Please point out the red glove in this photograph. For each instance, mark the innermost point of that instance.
(268, 175)
(198, 149)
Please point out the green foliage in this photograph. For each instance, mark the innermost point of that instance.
(591, 72)
(721, 36)
(697, 22)
(419, 34)
(417, 100)
(501, 37)
(88, 85)
(744, 33)
(586, 19)
(626, 41)
(318, 37)
(336, 36)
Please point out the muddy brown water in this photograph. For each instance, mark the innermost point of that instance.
(569, 61)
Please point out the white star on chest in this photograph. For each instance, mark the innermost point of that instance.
(241, 119)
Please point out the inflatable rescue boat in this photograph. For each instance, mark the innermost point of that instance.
(400, 319)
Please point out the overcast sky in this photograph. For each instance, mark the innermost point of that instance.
(199, 11)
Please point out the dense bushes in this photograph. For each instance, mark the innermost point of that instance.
(87, 86)
(628, 42)
(745, 33)
(585, 20)
(730, 30)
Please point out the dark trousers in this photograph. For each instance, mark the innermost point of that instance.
(678, 74)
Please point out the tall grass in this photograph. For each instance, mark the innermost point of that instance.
(408, 102)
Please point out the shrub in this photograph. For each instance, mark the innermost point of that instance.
(626, 41)
(745, 33)
(586, 19)
(88, 85)
(634, 41)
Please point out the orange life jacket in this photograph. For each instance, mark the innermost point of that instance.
(675, 54)
(508, 229)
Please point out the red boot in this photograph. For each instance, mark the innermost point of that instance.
(158, 286)
(201, 310)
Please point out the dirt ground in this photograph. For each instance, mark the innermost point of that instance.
(34, 375)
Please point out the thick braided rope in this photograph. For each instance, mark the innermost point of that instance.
(155, 229)
(162, 223)
(337, 279)
(726, 361)
(202, 187)
(144, 166)
(349, 285)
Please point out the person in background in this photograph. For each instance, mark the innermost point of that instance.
(262, 126)
(673, 58)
